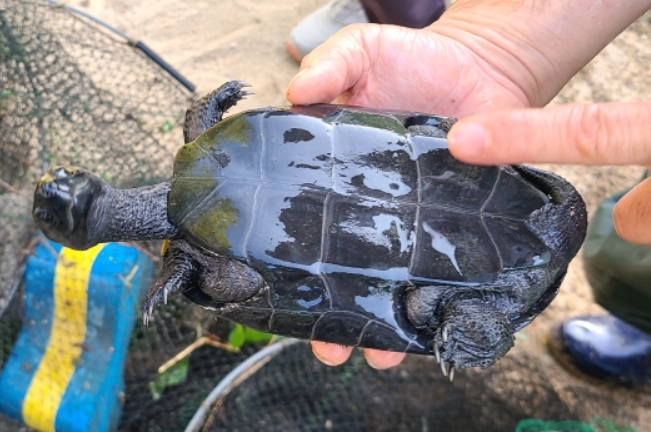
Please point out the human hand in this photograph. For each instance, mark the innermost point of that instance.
(398, 68)
(587, 134)
(479, 56)
(334, 355)
(368, 65)
(472, 61)
(591, 134)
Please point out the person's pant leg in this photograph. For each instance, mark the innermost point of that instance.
(406, 13)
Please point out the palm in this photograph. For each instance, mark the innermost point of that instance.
(371, 67)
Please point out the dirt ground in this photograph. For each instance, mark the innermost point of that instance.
(211, 42)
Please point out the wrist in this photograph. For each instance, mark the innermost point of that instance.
(536, 46)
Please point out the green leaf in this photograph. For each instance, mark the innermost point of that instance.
(6, 93)
(254, 336)
(167, 126)
(241, 335)
(237, 338)
(171, 377)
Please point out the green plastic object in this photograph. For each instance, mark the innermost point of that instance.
(594, 425)
(619, 272)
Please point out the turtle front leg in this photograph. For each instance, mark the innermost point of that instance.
(468, 330)
(180, 271)
(206, 279)
(209, 110)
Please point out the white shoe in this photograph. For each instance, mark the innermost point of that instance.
(323, 23)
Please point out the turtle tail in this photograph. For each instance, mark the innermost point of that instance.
(562, 224)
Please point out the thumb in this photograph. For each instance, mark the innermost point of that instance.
(594, 134)
(333, 67)
(632, 214)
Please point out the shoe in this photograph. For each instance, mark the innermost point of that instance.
(618, 272)
(317, 27)
(604, 347)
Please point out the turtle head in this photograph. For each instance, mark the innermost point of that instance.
(63, 202)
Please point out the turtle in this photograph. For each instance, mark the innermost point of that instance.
(337, 223)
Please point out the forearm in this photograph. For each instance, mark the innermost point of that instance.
(538, 44)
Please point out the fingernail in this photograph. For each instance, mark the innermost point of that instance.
(321, 359)
(467, 139)
(373, 365)
(387, 360)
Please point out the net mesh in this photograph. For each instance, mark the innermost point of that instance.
(73, 92)
(411, 397)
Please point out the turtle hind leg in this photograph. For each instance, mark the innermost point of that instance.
(468, 331)
(180, 272)
(209, 110)
(473, 333)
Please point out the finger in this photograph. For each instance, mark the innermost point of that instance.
(383, 359)
(333, 67)
(608, 133)
(632, 214)
(331, 354)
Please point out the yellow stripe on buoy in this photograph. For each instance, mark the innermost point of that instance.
(67, 336)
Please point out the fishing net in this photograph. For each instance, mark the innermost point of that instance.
(74, 91)
(515, 394)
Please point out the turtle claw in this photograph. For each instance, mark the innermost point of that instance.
(443, 358)
(447, 368)
(239, 85)
(148, 311)
(444, 367)
(145, 319)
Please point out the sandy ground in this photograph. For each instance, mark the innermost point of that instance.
(211, 42)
